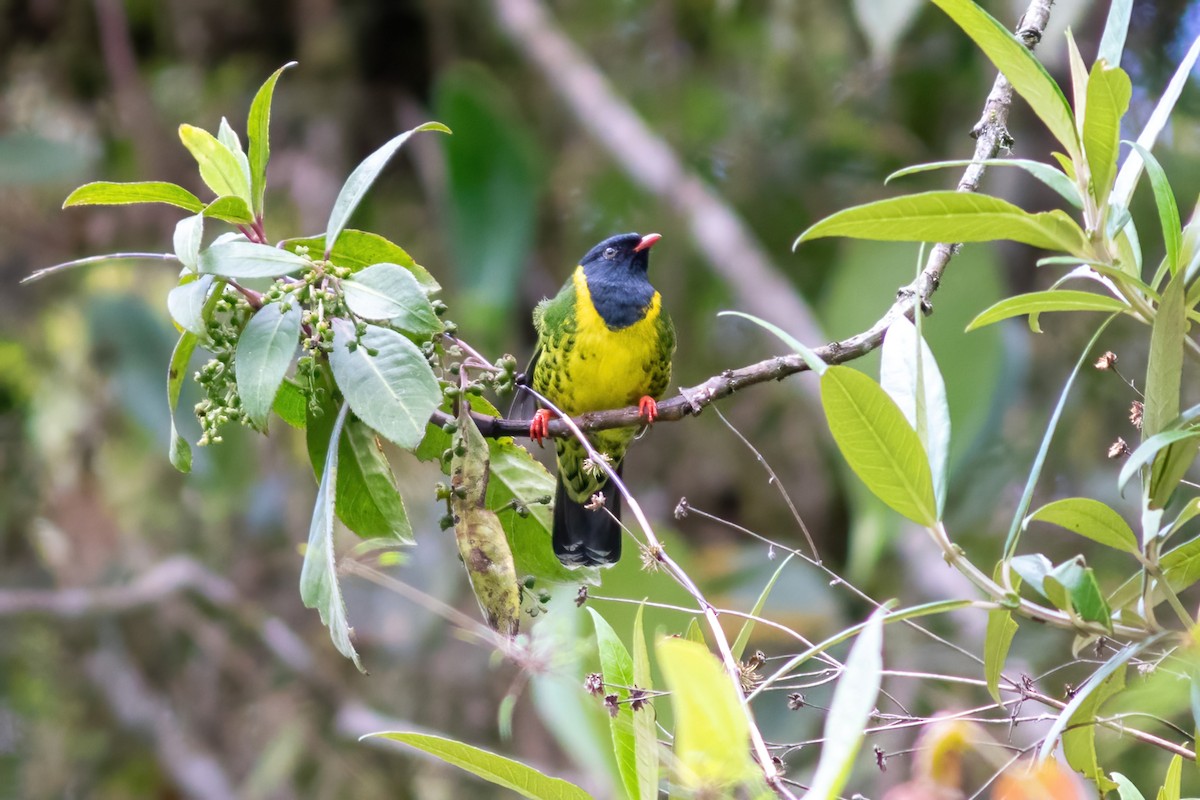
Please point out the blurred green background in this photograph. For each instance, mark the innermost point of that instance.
(787, 109)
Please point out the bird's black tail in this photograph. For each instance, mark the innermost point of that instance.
(584, 538)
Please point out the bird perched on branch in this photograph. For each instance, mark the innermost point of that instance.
(603, 342)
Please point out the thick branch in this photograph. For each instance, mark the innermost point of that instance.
(991, 137)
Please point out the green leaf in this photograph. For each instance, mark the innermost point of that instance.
(1042, 302)
(1091, 519)
(219, 167)
(952, 217)
(712, 736)
(368, 502)
(1108, 93)
(189, 234)
(291, 404)
(227, 136)
(229, 209)
(1170, 788)
(1023, 70)
(1112, 42)
(695, 633)
(1033, 570)
(1001, 628)
(1164, 371)
(319, 587)
(1080, 583)
(181, 451)
(524, 780)
(1046, 173)
(357, 250)
(1149, 450)
(264, 352)
(743, 637)
(241, 259)
(645, 731)
(390, 292)
(910, 376)
(1168, 209)
(393, 391)
(106, 193)
(1131, 170)
(814, 361)
(1186, 515)
(186, 303)
(850, 711)
(360, 180)
(1079, 738)
(1125, 787)
(878, 443)
(616, 666)
(258, 126)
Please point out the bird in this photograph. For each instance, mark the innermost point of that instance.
(604, 341)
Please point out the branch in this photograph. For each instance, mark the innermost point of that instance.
(991, 137)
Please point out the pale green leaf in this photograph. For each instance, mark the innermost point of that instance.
(712, 736)
(106, 193)
(1125, 787)
(1168, 209)
(616, 666)
(1001, 628)
(1108, 93)
(814, 361)
(1164, 371)
(219, 167)
(186, 304)
(390, 292)
(358, 250)
(393, 391)
(1046, 173)
(1091, 519)
(645, 731)
(1046, 301)
(1079, 738)
(189, 233)
(850, 712)
(231, 209)
(743, 637)
(952, 217)
(504, 772)
(242, 259)
(264, 352)
(1116, 26)
(227, 136)
(878, 443)
(319, 587)
(180, 451)
(360, 180)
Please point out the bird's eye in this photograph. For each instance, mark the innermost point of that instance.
(609, 252)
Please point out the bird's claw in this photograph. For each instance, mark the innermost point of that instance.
(539, 429)
(647, 409)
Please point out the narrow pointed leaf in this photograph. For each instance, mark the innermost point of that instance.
(219, 167)
(504, 772)
(390, 292)
(258, 132)
(1116, 26)
(360, 180)
(743, 637)
(264, 353)
(242, 259)
(1001, 628)
(186, 304)
(1079, 738)
(319, 587)
(616, 665)
(230, 209)
(358, 250)
(1125, 788)
(180, 451)
(952, 217)
(1023, 70)
(227, 136)
(106, 193)
(393, 391)
(878, 443)
(1047, 301)
(1165, 368)
(189, 233)
(1168, 209)
(1108, 93)
(910, 376)
(814, 361)
(850, 711)
(645, 732)
(1091, 519)
(1046, 173)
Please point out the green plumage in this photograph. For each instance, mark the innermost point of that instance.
(603, 342)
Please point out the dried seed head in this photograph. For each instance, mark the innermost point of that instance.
(594, 683)
(596, 503)
(1118, 449)
(1135, 413)
(651, 557)
(795, 701)
(592, 468)
(748, 673)
(1106, 361)
(637, 698)
(581, 597)
(681, 508)
(611, 704)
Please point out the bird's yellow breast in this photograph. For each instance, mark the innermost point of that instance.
(610, 368)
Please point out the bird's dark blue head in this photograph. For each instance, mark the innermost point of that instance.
(616, 276)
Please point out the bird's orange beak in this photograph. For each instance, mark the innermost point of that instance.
(647, 242)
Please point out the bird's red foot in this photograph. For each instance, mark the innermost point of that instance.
(647, 409)
(539, 429)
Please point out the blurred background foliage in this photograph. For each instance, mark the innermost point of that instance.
(790, 110)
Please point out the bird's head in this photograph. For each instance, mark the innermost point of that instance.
(628, 250)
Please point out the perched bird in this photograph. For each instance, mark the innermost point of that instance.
(603, 342)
